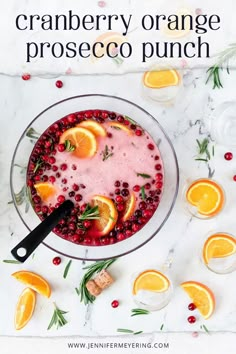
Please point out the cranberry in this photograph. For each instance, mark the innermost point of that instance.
(63, 166)
(112, 115)
(37, 199)
(191, 319)
(120, 236)
(45, 178)
(119, 199)
(87, 224)
(147, 186)
(75, 238)
(78, 197)
(58, 175)
(61, 199)
(125, 192)
(71, 194)
(26, 77)
(64, 181)
(74, 167)
(117, 191)
(54, 168)
(82, 186)
(61, 147)
(75, 187)
(115, 303)
(44, 209)
(112, 240)
(135, 227)
(87, 240)
(120, 207)
(88, 114)
(151, 147)
(156, 157)
(142, 205)
(234, 178)
(109, 135)
(104, 114)
(37, 208)
(159, 176)
(105, 241)
(56, 260)
(147, 213)
(138, 213)
(117, 184)
(112, 233)
(158, 167)
(30, 183)
(51, 160)
(128, 233)
(133, 126)
(120, 119)
(159, 185)
(138, 132)
(125, 185)
(71, 118)
(48, 143)
(59, 84)
(37, 178)
(191, 306)
(228, 156)
(136, 188)
(72, 226)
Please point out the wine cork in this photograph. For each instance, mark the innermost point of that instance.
(93, 288)
(103, 279)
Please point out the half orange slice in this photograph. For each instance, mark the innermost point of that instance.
(218, 246)
(202, 297)
(33, 281)
(25, 308)
(108, 215)
(82, 139)
(129, 207)
(151, 280)
(96, 128)
(45, 190)
(160, 78)
(119, 126)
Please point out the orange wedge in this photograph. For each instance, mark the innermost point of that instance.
(107, 215)
(160, 78)
(129, 207)
(25, 308)
(202, 297)
(218, 246)
(45, 190)
(207, 196)
(94, 127)
(33, 281)
(120, 126)
(151, 280)
(83, 139)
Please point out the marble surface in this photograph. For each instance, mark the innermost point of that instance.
(180, 238)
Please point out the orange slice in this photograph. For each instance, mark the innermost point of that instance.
(33, 281)
(107, 215)
(178, 33)
(120, 126)
(25, 308)
(161, 78)
(45, 190)
(129, 207)
(83, 139)
(207, 196)
(94, 127)
(151, 280)
(202, 297)
(218, 246)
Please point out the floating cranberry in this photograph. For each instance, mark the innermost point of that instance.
(125, 192)
(73, 167)
(82, 186)
(117, 184)
(128, 233)
(59, 84)
(87, 224)
(159, 185)
(112, 233)
(156, 158)
(115, 303)
(158, 167)
(37, 199)
(54, 168)
(61, 147)
(37, 178)
(88, 114)
(61, 199)
(191, 319)
(78, 197)
(126, 122)
(136, 188)
(71, 118)
(72, 226)
(37, 208)
(112, 240)
(75, 238)
(112, 115)
(75, 187)
(135, 227)
(120, 236)
(120, 207)
(120, 119)
(159, 176)
(147, 213)
(138, 132)
(151, 147)
(133, 126)
(87, 240)
(63, 166)
(104, 114)
(45, 178)
(142, 205)
(125, 185)
(192, 306)
(48, 143)
(119, 199)
(109, 135)
(51, 160)
(26, 77)
(44, 209)
(105, 241)
(64, 181)
(58, 175)
(228, 156)
(56, 260)
(117, 191)
(147, 186)
(138, 213)
(71, 194)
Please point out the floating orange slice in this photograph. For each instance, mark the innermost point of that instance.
(45, 190)
(218, 246)
(202, 297)
(120, 126)
(94, 127)
(83, 139)
(25, 308)
(107, 215)
(151, 280)
(129, 207)
(207, 196)
(161, 78)
(33, 281)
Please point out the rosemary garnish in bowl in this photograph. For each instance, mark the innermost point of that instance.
(137, 312)
(39, 163)
(143, 193)
(68, 146)
(58, 318)
(144, 175)
(90, 213)
(91, 270)
(106, 153)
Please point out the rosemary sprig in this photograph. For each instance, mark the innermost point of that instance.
(128, 331)
(144, 175)
(223, 58)
(68, 146)
(39, 163)
(11, 261)
(90, 213)
(91, 270)
(137, 312)
(58, 318)
(205, 329)
(162, 326)
(143, 193)
(130, 120)
(67, 268)
(106, 153)
(203, 150)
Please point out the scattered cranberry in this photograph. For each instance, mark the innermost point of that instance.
(72, 226)
(74, 167)
(191, 319)
(136, 188)
(138, 132)
(101, 3)
(115, 304)
(133, 126)
(71, 194)
(135, 227)
(191, 306)
(59, 84)
(37, 178)
(61, 199)
(159, 185)
(228, 156)
(142, 205)
(87, 240)
(45, 178)
(58, 175)
(37, 199)
(61, 147)
(56, 260)
(128, 233)
(147, 213)
(26, 77)
(48, 143)
(151, 147)
(71, 118)
(54, 168)
(64, 180)
(147, 186)
(156, 157)
(44, 209)
(125, 192)
(63, 166)
(117, 191)
(120, 236)
(234, 178)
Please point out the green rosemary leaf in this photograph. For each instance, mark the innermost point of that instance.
(143, 193)
(162, 326)
(111, 217)
(106, 153)
(144, 175)
(213, 150)
(137, 312)
(11, 261)
(58, 318)
(38, 165)
(124, 330)
(205, 160)
(67, 269)
(139, 332)
(205, 329)
(130, 120)
(68, 146)
(90, 213)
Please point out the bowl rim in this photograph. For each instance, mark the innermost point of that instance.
(164, 133)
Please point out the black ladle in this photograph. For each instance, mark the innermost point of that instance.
(35, 237)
